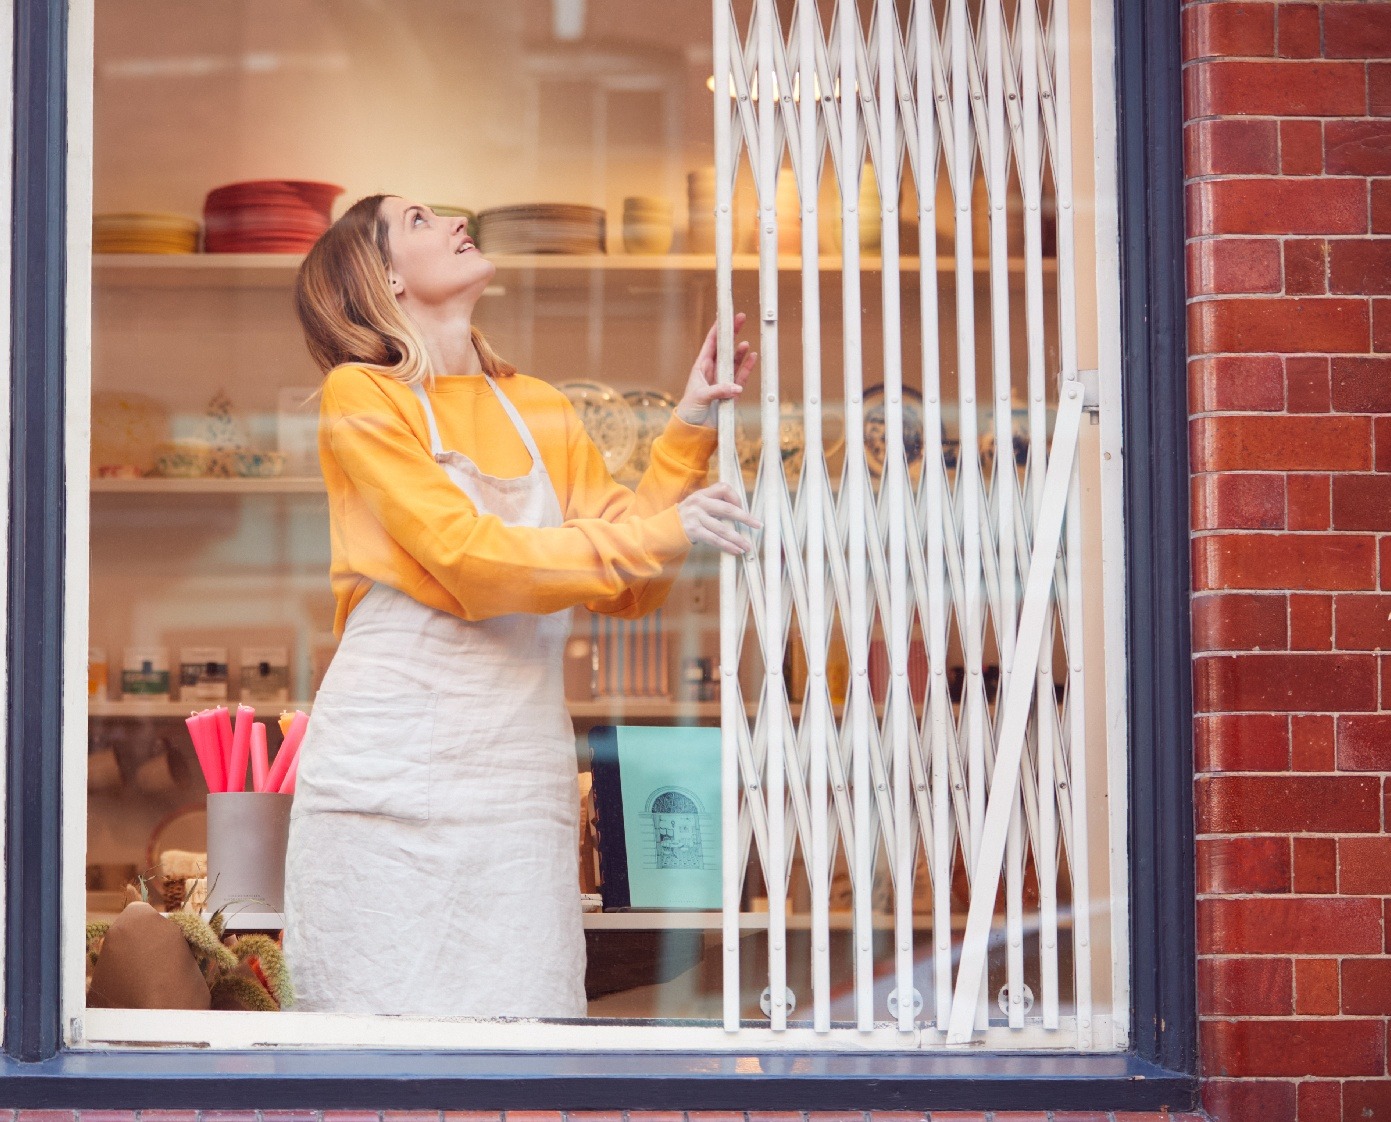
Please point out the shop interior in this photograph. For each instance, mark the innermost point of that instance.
(209, 522)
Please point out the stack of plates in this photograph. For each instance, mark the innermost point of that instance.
(267, 216)
(541, 228)
(144, 233)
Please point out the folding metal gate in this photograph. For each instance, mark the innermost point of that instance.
(960, 559)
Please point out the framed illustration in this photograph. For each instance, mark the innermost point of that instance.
(657, 815)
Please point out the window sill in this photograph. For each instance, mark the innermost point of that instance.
(511, 1080)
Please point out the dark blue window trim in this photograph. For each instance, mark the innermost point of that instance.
(36, 1071)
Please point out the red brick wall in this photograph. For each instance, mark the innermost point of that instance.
(1288, 166)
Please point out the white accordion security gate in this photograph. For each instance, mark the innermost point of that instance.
(915, 546)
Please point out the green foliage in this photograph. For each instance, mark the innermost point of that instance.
(213, 958)
(249, 974)
(240, 991)
(272, 962)
(96, 932)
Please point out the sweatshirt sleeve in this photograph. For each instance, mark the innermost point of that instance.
(678, 465)
(488, 567)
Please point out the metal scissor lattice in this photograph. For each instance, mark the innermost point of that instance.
(938, 553)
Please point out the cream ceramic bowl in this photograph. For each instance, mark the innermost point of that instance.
(183, 459)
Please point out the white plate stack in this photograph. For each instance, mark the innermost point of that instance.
(542, 228)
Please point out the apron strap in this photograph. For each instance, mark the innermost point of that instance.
(436, 448)
(522, 430)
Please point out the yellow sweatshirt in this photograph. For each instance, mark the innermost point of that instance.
(396, 517)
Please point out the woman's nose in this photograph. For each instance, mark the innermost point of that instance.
(460, 224)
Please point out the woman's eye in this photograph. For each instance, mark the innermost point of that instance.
(419, 218)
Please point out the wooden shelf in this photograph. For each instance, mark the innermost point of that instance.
(158, 485)
(277, 270)
(615, 709)
(162, 707)
(634, 921)
(586, 711)
(713, 921)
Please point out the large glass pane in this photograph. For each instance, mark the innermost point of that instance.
(211, 526)
(452, 605)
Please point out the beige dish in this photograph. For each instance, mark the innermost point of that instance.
(127, 430)
(259, 465)
(649, 238)
(184, 459)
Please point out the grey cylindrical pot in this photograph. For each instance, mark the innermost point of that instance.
(247, 832)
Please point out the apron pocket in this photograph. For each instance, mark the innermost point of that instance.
(369, 756)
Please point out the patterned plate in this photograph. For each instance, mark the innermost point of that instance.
(609, 420)
(653, 410)
(876, 421)
(792, 437)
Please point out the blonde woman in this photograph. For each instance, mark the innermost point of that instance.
(432, 863)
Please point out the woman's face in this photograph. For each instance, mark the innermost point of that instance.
(433, 260)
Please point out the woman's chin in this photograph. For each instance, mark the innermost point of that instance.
(475, 273)
(480, 269)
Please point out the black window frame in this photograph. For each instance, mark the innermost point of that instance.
(1160, 1069)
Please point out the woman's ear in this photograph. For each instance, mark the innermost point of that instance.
(398, 286)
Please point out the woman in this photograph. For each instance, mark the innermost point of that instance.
(432, 862)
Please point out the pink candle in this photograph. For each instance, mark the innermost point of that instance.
(241, 748)
(287, 785)
(288, 750)
(260, 757)
(207, 721)
(223, 721)
(205, 750)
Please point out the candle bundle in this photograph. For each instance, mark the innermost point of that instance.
(224, 751)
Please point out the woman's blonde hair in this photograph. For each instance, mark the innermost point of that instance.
(349, 313)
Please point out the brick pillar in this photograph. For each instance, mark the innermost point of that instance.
(1288, 178)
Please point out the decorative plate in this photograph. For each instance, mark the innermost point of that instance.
(876, 422)
(792, 437)
(609, 420)
(832, 437)
(653, 410)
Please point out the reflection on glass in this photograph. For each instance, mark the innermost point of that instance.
(225, 143)
(236, 540)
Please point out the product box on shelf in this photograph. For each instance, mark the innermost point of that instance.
(145, 674)
(297, 429)
(265, 674)
(97, 673)
(203, 674)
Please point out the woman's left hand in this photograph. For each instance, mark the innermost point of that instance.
(702, 391)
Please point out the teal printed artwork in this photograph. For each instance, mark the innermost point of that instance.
(671, 815)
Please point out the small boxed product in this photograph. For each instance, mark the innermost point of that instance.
(265, 674)
(203, 674)
(144, 673)
(297, 430)
(96, 673)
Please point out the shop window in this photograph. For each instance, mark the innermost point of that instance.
(863, 787)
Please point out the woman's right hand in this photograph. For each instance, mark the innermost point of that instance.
(705, 512)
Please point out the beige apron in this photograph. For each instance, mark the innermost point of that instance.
(432, 865)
